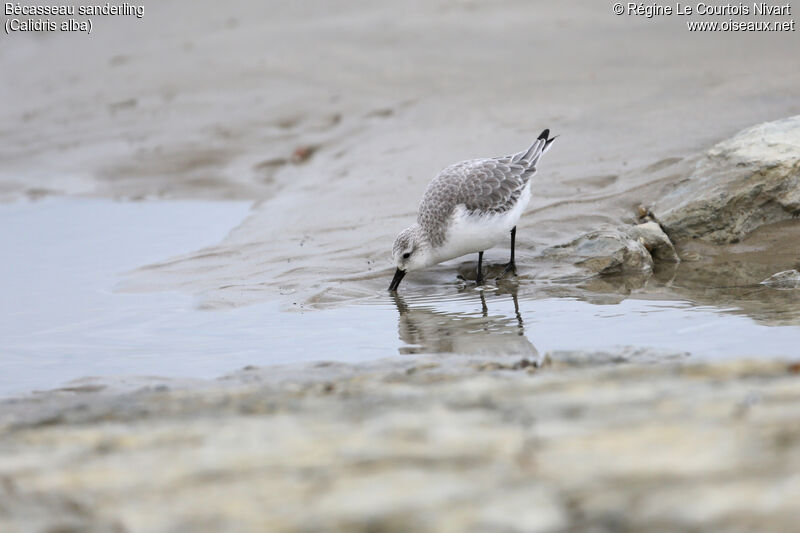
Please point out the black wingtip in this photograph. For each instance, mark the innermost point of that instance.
(545, 134)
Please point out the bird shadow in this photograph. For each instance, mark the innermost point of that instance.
(478, 327)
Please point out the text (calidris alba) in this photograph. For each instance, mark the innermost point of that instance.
(469, 207)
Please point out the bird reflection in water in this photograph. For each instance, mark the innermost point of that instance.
(426, 329)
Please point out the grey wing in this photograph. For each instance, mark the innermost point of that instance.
(480, 185)
(494, 185)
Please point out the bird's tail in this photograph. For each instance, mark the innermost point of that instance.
(540, 146)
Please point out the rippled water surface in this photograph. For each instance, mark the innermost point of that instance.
(62, 316)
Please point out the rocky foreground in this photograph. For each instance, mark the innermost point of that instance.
(603, 442)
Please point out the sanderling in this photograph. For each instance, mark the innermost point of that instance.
(469, 207)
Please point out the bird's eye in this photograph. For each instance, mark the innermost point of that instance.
(406, 255)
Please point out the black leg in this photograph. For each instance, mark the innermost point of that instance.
(479, 277)
(520, 323)
(484, 307)
(513, 241)
(511, 266)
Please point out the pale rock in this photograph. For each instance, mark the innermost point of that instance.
(740, 184)
(655, 240)
(788, 279)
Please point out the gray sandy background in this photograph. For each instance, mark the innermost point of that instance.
(197, 100)
(331, 117)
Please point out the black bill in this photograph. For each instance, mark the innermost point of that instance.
(398, 277)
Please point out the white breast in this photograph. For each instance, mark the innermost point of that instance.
(471, 233)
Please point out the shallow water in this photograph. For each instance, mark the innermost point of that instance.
(63, 317)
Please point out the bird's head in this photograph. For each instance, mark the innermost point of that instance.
(411, 251)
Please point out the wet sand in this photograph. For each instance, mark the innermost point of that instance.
(283, 105)
(432, 444)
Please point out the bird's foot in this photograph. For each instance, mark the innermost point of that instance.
(510, 267)
(479, 279)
